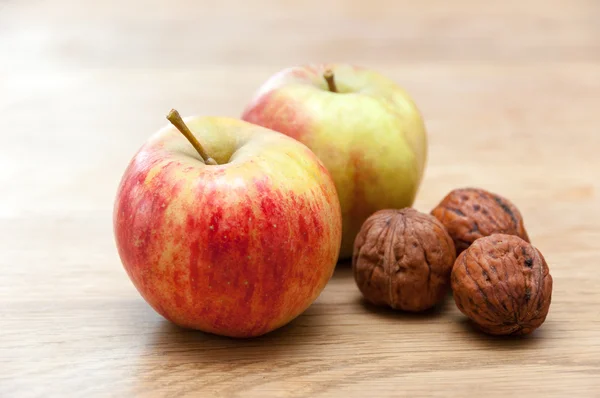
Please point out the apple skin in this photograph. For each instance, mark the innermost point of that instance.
(235, 249)
(369, 134)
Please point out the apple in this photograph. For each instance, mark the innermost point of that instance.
(363, 126)
(235, 234)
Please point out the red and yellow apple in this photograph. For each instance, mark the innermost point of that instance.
(363, 126)
(236, 234)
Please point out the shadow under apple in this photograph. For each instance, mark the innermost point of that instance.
(176, 344)
(171, 360)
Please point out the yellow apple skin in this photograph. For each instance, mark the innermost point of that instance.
(369, 134)
(239, 248)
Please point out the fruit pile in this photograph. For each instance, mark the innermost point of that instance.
(234, 227)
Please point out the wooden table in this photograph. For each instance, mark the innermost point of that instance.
(511, 94)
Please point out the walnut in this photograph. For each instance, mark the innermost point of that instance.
(471, 213)
(403, 259)
(503, 284)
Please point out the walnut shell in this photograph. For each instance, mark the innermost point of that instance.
(503, 284)
(469, 214)
(403, 259)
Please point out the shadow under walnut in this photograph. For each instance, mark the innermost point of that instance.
(436, 312)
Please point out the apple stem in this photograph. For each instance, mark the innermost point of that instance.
(328, 75)
(175, 118)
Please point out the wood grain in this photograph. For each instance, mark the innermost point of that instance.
(510, 91)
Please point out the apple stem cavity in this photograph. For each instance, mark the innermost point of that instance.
(175, 118)
(328, 76)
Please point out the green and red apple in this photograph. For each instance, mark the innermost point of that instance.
(236, 234)
(364, 127)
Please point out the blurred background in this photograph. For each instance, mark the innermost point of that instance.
(510, 93)
(98, 77)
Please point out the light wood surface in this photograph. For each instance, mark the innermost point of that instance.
(511, 95)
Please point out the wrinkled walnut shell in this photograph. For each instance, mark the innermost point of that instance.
(469, 214)
(503, 284)
(403, 259)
